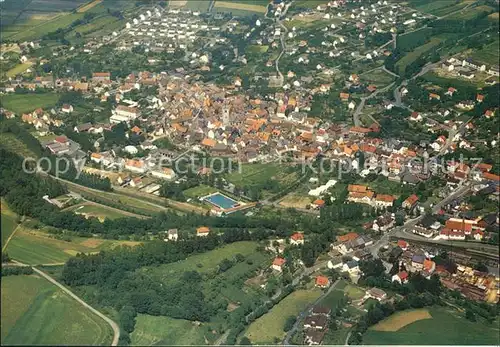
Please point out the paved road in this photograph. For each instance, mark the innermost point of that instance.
(359, 109)
(304, 313)
(114, 326)
(408, 226)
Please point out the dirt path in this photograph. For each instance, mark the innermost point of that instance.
(114, 326)
(11, 236)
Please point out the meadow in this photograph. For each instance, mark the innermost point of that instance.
(446, 327)
(24, 103)
(410, 57)
(489, 54)
(18, 69)
(378, 77)
(37, 247)
(8, 222)
(101, 212)
(268, 329)
(242, 6)
(161, 330)
(36, 312)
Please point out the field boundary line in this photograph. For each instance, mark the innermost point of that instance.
(11, 235)
(114, 326)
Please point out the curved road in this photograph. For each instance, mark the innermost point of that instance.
(114, 326)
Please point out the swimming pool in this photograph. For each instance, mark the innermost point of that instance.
(221, 201)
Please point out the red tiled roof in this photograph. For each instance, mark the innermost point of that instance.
(322, 281)
(297, 236)
(279, 261)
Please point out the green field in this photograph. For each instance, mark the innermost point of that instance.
(268, 329)
(37, 247)
(208, 261)
(410, 57)
(12, 144)
(199, 191)
(18, 69)
(36, 312)
(471, 13)
(489, 54)
(100, 211)
(439, 7)
(378, 77)
(354, 292)
(447, 327)
(23, 103)
(260, 173)
(161, 330)
(8, 222)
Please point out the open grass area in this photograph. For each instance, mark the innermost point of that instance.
(202, 263)
(37, 247)
(378, 77)
(88, 6)
(101, 212)
(410, 57)
(199, 191)
(241, 6)
(36, 312)
(14, 145)
(354, 292)
(260, 173)
(445, 327)
(294, 200)
(23, 103)
(8, 222)
(161, 330)
(18, 69)
(489, 54)
(268, 329)
(256, 49)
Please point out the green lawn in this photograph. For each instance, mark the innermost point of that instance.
(23, 103)
(36, 312)
(202, 263)
(199, 191)
(161, 330)
(447, 327)
(332, 300)
(268, 329)
(354, 292)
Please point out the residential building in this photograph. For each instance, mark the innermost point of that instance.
(202, 231)
(164, 173)
(401, 277)
(278, 264)
(297, 239)
(375, 293)
(322, 282)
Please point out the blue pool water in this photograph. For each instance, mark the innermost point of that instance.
(221, 201)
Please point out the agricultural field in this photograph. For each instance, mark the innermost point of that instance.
(36, 312)
(18, 69)
(439, 8)
(439, 325)
(8, 222)
(246, 6)
(410, 57)
(37, 247)
(489, 54)
(308, 3)
(100, 212)
(268, 329)
(378, 77)
(471, 13)
(208, 261)
(161, 330)
(14, 145)
(18, 103)
(194, 5)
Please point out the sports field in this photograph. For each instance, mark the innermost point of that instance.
(36, 312)
(268, 329)
(438, 326)
(161, 330)
(23, 103)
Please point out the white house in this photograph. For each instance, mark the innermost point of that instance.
(165, 173)
(172, 235)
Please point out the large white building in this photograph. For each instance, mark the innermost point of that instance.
(165, 173)
(124, 114)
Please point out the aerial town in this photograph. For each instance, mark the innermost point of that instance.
(315, 172)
